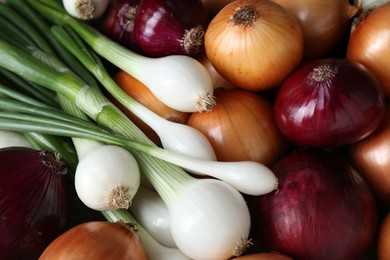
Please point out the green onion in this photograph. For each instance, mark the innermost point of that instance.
(179, 81)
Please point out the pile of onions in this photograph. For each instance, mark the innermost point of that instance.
(329, 103)
(371, 157)
(323, 209)
(34, 205)
(241, 127)
(254, 44)
(97, 240)
(369, 43)
(323, 23)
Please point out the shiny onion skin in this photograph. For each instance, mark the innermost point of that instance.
(369, 43)
(34, 205)
(97, 240)
(328, 103)
(322, 210)
(168, 27)
(323, 23)
(254, 44)
(241, 127)
(117, 22)
(371, 157)
(384, 238)
(144, 96)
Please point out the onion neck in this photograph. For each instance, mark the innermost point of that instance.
(245, 16)
(323, 73)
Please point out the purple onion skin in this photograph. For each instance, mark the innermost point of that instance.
(322, 210)
(342, 110)
(34, 205)
(161, 25)
(117, 22)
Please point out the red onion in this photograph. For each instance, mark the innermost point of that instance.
(34, 205)
(323, 209)
(118, 22)
(167, 27)
(328, 103)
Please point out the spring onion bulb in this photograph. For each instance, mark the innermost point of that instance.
(209, 219)
(154, 250)
(174, 136)
(107, 178)
(85, 9)
(179, 81)
(150, 210)
(12, 138)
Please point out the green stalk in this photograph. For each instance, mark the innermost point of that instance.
(165, 177)
(41, 27)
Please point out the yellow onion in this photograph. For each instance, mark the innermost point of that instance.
(96, 240)
(369, 43)
(241, 127)
(323, 23)
(371, 157)
(254, 44)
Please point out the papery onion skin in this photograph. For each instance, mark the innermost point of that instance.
(328, 103)
(323, 209)
(97, 240)
(170, 27)
(241, 127)
(371, 157)
(35, 201)
(255, 53)
(369, 44)
(323, 23)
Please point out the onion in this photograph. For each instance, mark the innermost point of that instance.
(328, 103)
(369, 41)
(86, 9)
(144, 96)
(384, 238)
(97, 240)
(34, 205)
(323, 209)
(167, 27)
(323, 23)
(118, 22)
(264, 256)
(254, 44)
(371, 157)
(241, 128)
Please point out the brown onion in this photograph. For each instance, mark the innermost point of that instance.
(369, 43)
(384, 238)
(254, 44)
(97, 240)
(371, 157)
(241, 127)
(144, 96)
(323, 22)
